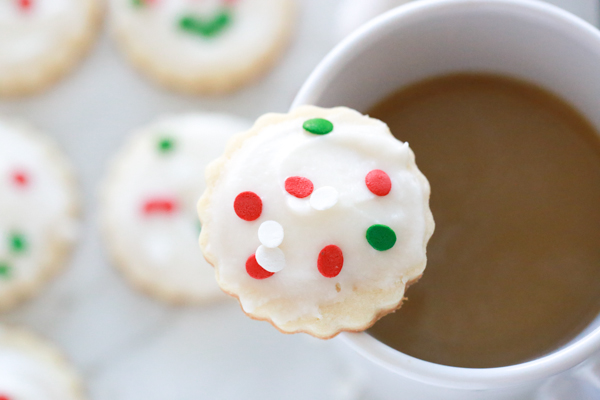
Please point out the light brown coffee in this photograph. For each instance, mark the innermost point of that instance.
(513, 267)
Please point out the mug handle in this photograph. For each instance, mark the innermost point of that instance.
(579, 383)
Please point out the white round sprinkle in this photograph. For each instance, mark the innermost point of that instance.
(273, 260)
(270, 234)
(324, 198)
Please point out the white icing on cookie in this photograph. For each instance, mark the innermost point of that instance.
(277, 148)
(23, 378)
(35, 35)
(38, 210)
(28, 371)
(205, 40)
(149, 204)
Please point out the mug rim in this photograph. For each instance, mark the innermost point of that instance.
(364, 344)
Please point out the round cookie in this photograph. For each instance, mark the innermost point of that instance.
(202, 46)
(149, 205)
(316, 220)
(38, 212)
(31, 369)
(41, 40)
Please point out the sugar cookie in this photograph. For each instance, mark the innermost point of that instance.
(202, 46)
(149, 199)
(354, 215)
(31, 369)
(38, 212)
(41, 40)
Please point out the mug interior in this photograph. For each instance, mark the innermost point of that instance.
(524, 39)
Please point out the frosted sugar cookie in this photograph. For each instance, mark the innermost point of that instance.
(149, 205)
(41, 40)
(316, 220)
(31, 369)
(202, 46)
(38, 212)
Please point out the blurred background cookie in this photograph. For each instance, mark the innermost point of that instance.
(38, 212)
(149, 205)
(41, 40)
(209, 46)
(31, 369)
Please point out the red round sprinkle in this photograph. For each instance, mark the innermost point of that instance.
(255, 270)
(4, 397)
(159, 206)
(25, 5)
(248, 206)
(20, 178)
(330, 261)
(378, 182)
(299, 186)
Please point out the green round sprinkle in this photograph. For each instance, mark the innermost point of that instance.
(18, 243)
(318, 126)
(5, 271)
(137, 3)
(381, 237)
(166, 145)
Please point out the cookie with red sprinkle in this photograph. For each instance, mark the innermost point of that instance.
(148, 205)
(42, 40)
(316, 220)
(39, 212)
(203, 47)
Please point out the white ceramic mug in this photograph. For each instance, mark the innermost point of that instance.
(525, 39)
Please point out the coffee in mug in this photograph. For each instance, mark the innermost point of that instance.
(513, 268)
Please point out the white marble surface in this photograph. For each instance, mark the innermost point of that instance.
(130, 347)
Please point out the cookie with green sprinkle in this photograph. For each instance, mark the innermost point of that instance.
(316, 220)
(148, 205)
(38, 212)
(203, 47)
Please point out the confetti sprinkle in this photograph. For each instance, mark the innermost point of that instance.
(270, 234)
(299, 186)
(26, 6)
(324, 198)
(378, 182)
(21, 179)
(255, 270)
(5, 272)
(159, 206)
(142, 3)
(166, 145)
(381, 237)
(206, 28)
(330, 261)
(272, 260)
(18, 243)
(318, 126)
(248, 206)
